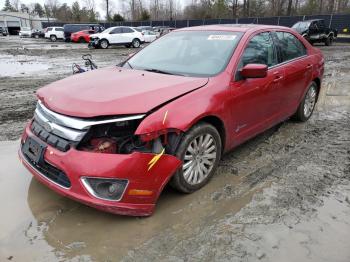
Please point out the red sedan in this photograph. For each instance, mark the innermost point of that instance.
(82, 36)
(113, 138)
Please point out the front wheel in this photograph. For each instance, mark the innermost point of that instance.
(307, 105)
(200, 152)
(53, 38)
(104, 44)
(136, 43)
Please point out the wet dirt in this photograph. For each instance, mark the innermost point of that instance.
(282, 196)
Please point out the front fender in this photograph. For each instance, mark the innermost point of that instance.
(186, 111)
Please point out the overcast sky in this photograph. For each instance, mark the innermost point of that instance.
(98, 3)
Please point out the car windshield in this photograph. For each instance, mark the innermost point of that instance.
(301, 26)
(189, 53)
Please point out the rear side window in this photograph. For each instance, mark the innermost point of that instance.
(127, 30)
(260, 50)
(290, 46)
(59, 29)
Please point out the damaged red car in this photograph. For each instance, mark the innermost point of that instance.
(113, 138)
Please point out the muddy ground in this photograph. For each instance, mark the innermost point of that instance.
(283, 196)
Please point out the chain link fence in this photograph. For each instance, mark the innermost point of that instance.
(340, 22)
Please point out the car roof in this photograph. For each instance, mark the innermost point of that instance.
(232, 27)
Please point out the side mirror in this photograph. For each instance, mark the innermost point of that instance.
(254, 71)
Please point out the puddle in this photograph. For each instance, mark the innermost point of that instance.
(11, 66)
(45, 226)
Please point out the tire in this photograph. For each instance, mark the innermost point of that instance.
(188, 179)
(307, 105)
(329, 40)
(104, 44)
(53, 38)
(136, 43)
(81, 40)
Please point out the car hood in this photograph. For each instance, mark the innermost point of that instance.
(115, 91)
(95, 35)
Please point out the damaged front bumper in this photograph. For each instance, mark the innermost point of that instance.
(64, 172)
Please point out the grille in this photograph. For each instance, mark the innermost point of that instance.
(50, 172)
(53, 140)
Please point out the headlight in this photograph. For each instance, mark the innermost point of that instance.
(105, 188)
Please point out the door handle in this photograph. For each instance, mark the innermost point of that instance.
(309, 66)
(277, 79)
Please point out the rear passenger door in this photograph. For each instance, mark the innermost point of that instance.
(128, 34)
(59, 32)
(298, 68)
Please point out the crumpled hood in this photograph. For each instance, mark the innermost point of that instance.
(114, 91)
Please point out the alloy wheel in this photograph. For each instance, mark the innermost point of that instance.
(199, 158)
(310, 101)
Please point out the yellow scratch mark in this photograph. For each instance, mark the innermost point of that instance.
(165, 115)
(155, 159)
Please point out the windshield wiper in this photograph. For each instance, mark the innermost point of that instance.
(160, 71)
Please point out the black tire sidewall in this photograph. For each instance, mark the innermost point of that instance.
(178, 181)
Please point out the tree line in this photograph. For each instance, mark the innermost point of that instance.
(141, 10)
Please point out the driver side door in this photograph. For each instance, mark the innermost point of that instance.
(255, 101)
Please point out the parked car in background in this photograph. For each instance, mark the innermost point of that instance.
(3, 31)
(149, 36)
(119, 35)
(38, 33)
(25, 32)
(316, 31)
(82, 36)
(72, 28)
(145, 28)
(163, 30)
(114, 137)
(54, 33)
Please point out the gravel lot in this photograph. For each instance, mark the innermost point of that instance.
(283, 196)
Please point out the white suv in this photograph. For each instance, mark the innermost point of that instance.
(120, 35)
(54, 33)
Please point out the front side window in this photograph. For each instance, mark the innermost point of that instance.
(193, 53)
(260, 50)
(117, 30)
(290, 46)
(59, 29)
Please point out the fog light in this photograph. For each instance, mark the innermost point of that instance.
(105, 188)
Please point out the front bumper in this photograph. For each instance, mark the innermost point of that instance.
(133, 167)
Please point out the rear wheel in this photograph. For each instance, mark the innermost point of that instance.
(307, 105)
(136, 43)
(82, 40)
(104, 44)
(53, 38)
(200, 152)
